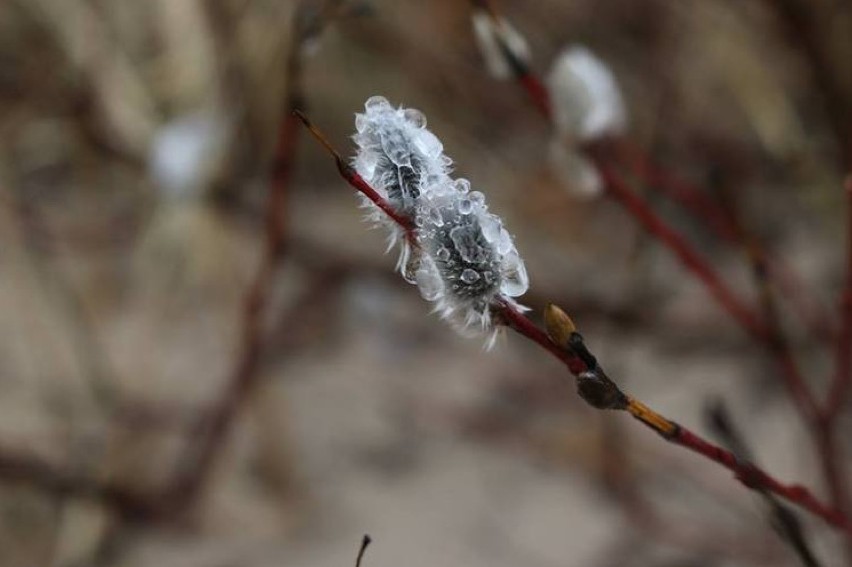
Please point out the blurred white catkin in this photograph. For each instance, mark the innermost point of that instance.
(587, 106)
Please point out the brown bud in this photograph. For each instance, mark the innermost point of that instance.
(559, 325)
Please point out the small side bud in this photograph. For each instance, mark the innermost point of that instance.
(559, 326)
(599, 391)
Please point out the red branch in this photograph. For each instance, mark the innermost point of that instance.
(820, 418)
(746, 317)
(365, 189)
(515, 320)
(756, 478)
(751, 476)
(634, 204)
(537, 93)
(720, 222)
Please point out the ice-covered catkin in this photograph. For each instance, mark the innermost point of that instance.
(399, 158)
(469, 261)
(460, 256)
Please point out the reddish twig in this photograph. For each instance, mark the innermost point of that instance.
(598, 152)
(746, 317)
(525, 76)
(356, 181)
(579, 364)
(726, 227)
(519, 323)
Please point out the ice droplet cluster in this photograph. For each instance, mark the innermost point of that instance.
(464, 260)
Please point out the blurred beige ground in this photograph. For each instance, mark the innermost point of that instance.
(137, 138)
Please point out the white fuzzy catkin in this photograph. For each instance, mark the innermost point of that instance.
(587, 103)
(489, 34)
(465, 261)
(400, 159)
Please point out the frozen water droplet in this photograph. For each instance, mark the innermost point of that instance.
(429, 280)
(426, 142)
(443, 254)
(376, 103)
(490, 226)
(436, 217)
(415, 117)
(361, 122)
(366, 164)
(514, 281)
(465, 206)
(462, 185)
(477, 197)
(464, 238)
(505, 244)
(488, 276)
(469, 276)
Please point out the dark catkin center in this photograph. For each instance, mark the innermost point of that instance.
(464, 258)
(402, 183)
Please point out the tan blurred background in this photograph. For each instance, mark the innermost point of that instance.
(138, 149)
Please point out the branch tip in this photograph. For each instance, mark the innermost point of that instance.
(317, 134)
(365, 543)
